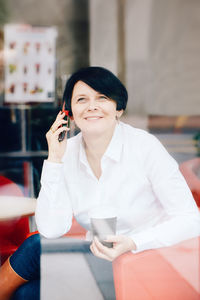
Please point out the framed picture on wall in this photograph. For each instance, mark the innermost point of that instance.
(30, 61)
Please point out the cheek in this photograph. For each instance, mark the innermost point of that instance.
(111, 112)
(77, 117)
(76, 112)
(111, 109)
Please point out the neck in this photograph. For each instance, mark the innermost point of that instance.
(95, 146)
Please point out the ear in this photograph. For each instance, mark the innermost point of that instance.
(119, 113)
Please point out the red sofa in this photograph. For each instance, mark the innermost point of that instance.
(161, 274)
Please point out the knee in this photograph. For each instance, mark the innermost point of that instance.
(33, 243)
(26, 260)
(32, 247)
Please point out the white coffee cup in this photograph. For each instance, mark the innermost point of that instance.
(103, 220)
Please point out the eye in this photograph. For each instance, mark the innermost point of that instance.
(81, 100)
(103, 97)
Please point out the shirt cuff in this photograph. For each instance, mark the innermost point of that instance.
(51, 172)
(143, 241)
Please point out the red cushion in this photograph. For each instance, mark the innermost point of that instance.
(14, 231)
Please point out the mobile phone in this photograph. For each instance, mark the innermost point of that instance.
(66, 117)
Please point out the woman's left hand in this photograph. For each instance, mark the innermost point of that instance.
(121, 244)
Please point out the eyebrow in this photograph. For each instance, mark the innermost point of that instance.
(84, 95)
(80, 95)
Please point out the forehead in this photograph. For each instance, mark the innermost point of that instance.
(81, 88)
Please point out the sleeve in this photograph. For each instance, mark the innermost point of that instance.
(170, 188)
(53, 210)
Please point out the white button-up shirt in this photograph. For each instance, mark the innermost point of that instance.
(139, 179)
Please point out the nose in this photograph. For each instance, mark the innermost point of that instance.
(92, 105)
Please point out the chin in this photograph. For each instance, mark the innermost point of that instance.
(94, 128)
(93, 131)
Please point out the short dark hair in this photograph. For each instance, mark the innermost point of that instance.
(101, 80)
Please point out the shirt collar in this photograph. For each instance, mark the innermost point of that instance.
(82, 154)
(114, 148)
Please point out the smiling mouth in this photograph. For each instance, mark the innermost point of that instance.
(92, 118)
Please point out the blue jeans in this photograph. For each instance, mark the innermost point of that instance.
(26, 263)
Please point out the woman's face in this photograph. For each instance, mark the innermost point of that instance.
(93, 113)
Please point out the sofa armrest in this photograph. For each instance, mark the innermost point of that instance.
(152, 275)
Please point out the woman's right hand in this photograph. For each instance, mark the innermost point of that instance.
(56, 148)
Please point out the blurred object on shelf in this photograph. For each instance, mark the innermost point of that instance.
(175, 124)
(197, 142)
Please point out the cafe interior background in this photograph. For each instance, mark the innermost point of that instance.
(152, 45)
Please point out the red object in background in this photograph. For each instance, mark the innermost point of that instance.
(13, 231)
(25, 85)
(12, 88)
(12, 45)
(76, 230)
(189, 169)
(37, 68)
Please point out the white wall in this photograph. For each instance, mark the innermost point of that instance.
(162, 49)
(103, 34)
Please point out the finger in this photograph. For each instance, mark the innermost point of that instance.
(97, 253)
(54, 135)
(60, 115)
(61, 129)
(57, 124)
(114, 238)
(103, 249)
(91, 248)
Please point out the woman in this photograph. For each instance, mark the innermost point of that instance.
(111, 163)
